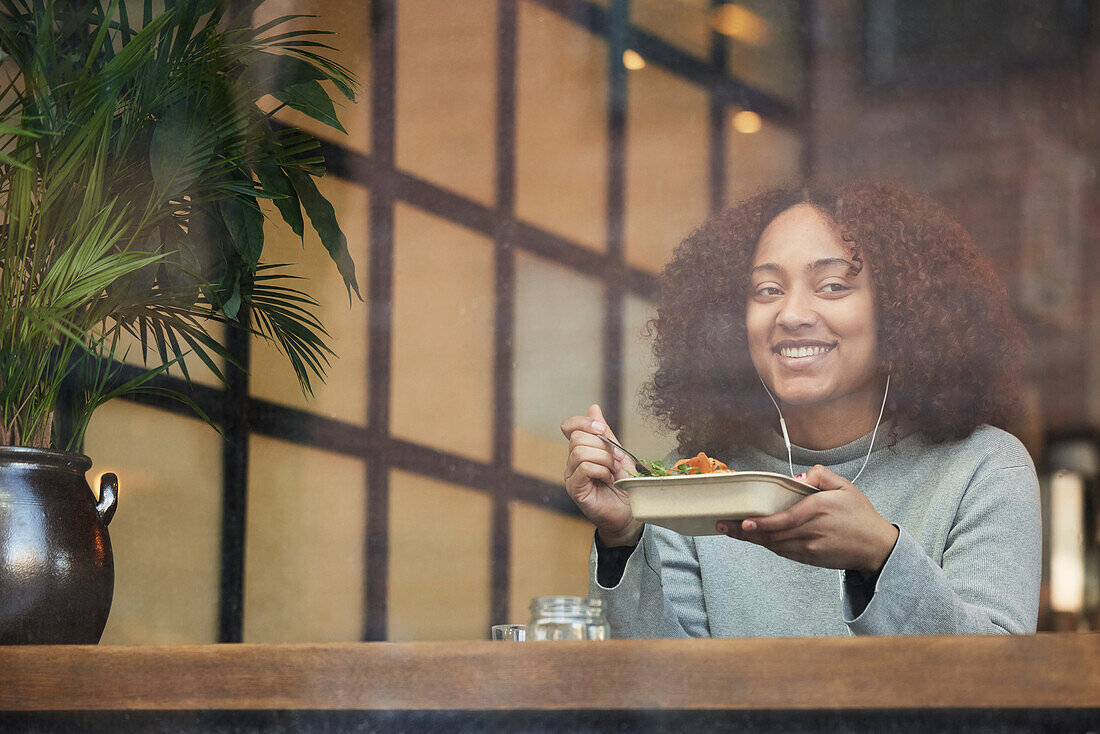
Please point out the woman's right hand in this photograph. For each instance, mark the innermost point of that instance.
(590, 470)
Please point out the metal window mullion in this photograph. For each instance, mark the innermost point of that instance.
(380, 328)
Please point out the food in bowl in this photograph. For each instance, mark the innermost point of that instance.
(700, 464)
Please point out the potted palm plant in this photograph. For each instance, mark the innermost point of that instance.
(134, 155)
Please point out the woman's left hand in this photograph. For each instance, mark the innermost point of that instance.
(834, 528)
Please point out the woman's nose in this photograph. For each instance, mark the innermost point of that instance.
(796, 311)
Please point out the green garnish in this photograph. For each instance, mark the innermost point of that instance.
(657, 469)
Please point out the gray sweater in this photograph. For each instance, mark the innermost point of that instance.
(967, 560)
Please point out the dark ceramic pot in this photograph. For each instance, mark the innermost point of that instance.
(57, 573)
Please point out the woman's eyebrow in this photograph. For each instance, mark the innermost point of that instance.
(769, 267)
(820, 264)
(828, 262)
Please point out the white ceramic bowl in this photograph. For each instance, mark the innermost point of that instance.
(691, 504)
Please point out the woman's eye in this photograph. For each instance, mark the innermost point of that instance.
(769, 290)
(835, 288)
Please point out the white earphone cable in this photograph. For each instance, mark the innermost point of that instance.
(782, 425)
(787, 439)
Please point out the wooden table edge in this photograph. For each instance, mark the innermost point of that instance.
(1051, 671)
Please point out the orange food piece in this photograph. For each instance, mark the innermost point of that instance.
(701, 464)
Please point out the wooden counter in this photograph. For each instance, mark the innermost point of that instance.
(1042, 672)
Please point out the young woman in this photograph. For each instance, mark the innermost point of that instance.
(867, 321)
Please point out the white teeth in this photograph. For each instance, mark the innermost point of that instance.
(796, 352)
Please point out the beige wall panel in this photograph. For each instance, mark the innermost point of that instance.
(549, 557)
(442, 384)
(439, 560)
(558, 360)
(304, 544)
(683, 23)
(561, 127)
(166, 534)
(343, 394)
(667, 177)
(349, 21)
(639, 432)
(770, 157)
(446, 93)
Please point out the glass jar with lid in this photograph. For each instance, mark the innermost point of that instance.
(567, 618)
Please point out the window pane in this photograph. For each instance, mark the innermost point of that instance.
(561, 127)
(349, 21)
(683, 23)
(166, 535)
(638, 429)
(667, 174)
(765, 45)
(549, 556)
(304, 566)
(558, 358)
(439, 560)
(771, 156)
(446, 93)
(443, 317)
(343, 394)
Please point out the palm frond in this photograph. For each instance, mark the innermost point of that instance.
(132, 156)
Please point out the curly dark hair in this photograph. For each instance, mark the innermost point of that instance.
(947, 335)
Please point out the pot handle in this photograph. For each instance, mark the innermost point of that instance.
(108, 497)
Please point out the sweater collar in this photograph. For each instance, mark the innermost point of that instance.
(773, 445)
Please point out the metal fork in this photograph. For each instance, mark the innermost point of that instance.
(640, 465)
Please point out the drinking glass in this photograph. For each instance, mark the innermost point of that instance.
(509, 632)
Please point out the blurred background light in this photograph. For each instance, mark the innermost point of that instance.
(740, 24)
(747, 122)
(633, 60)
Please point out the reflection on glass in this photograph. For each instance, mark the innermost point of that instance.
(558, 358)
(439, 560)
(633, 60)
(549, 556)
(304, 544)
(166, 535)
(561, 127)
(666, 164)
(442, 383)
(683, 23)
(349, 22)
(343, 394)
(639, 433)
(740, 24)
(1067, 542)
(446, 93)
(764, 45)
(771, 156)
(747, 122)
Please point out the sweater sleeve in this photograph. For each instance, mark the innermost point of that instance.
(660, 593)
(990, 577)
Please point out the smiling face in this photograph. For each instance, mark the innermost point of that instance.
(811, 322)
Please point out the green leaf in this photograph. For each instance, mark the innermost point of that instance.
(178, 152)
(275, 72)
(209, 240)
(142, 281)
(180, 271)
(276, 183)
(232, 305)
(310, 98)
(245, 223)
(323, 218)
